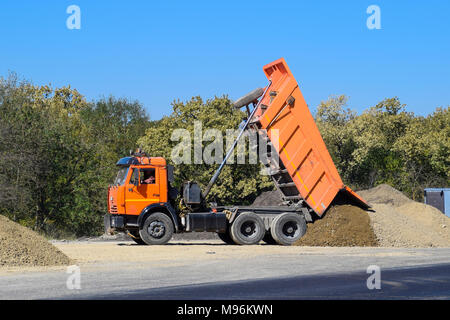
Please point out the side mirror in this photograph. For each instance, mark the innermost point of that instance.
(170, 175)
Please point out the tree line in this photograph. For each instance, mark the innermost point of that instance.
(57, 155)
(58, 151)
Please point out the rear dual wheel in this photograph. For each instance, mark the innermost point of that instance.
(287, 228)
(226, 237)
(247, 229)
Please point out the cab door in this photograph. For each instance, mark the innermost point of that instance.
(141, 190)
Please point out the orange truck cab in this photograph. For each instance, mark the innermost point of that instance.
(143, 203)
(141, 181)
(142, 186)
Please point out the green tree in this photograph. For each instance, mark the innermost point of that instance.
(332, 118)
(387, 144)
(425, 153)
(42, 149)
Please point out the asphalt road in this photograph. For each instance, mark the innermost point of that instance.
(429, 282)
(222, 272)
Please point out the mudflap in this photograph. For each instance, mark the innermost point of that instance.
(107, 223)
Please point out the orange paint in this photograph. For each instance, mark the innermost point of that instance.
(131, 199)
(301, 147)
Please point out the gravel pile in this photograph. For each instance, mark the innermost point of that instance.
(268, 198)
(20, 246)
(384, 194)
(393, 221)
(401, 222)
(341, 226)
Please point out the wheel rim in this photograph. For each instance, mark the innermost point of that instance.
(290, 230)
(156, 229)
(249, 229)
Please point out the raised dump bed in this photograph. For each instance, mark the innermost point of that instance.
(310, 173)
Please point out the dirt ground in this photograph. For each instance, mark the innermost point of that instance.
(104, 255)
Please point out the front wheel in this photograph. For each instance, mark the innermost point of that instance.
(157, 229)
(136, 237)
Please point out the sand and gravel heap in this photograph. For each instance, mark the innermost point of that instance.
(20, 246)
(401, 222)
(268, 198)
(384, 194)
(341, 226)
(393, 221)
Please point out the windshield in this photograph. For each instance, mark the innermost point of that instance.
(121, 176)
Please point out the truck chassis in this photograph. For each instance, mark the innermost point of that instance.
(243, 225)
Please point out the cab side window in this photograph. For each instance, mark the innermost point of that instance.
(148, 176)
(134, 177)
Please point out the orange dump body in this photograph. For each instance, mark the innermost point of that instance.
(285, 114)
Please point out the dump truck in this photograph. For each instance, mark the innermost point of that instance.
(143, 203)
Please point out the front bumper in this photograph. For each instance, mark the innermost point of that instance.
(113, 222)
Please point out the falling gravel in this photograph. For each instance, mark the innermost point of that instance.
(341, 226)
(20, 246)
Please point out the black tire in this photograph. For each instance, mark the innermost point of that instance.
(247, 229)
(269, 239)
(226, 237)
(136, 237)
(287, 228)
(248, 98)
(157, 229)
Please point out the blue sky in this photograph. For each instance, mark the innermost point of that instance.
(158, 51)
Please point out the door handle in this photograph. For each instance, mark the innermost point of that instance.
(156, 194)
